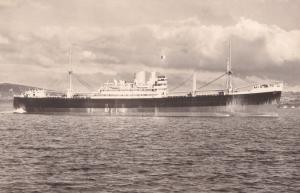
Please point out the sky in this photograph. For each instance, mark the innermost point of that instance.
(116, 38)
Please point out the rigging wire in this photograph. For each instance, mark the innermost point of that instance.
(208, 83)
(246, 81)
(249, 82)
(203, 86)
(54, 83)
(83, 83)
(181, 84)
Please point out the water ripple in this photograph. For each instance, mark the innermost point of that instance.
(49, 153)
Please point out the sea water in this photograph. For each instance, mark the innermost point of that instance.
(89, 153)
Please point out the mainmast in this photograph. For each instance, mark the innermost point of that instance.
(70, 91)
(229, 71)
(194, 84)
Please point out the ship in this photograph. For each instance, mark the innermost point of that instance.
(139, 95)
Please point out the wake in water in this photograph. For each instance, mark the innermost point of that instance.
(266, 110)
(190, 114)
(251, 114)
(15, 111)
(19, 111)
(6, 112)
(221, 114)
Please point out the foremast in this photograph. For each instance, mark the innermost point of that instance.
(70, 72)
(229, 86)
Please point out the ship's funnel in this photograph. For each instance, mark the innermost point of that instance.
(152, 78)
(140, 78)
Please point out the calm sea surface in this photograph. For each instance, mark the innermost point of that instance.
(76, 153)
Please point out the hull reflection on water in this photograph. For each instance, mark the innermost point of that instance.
(218, 111)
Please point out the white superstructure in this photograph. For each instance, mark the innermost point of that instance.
(155, 87)
(260, 88)
(35, 93)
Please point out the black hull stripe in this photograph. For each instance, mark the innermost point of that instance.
(180, 101)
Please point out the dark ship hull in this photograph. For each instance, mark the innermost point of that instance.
(181, 103)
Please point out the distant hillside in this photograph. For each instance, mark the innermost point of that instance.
(290, 99)
(7, 90)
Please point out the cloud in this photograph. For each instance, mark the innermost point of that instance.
(4, 40)
(264, 51)
(9, 3)
(88, 54)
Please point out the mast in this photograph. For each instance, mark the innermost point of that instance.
(70, 91)
(194, 84)
(229, 71)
